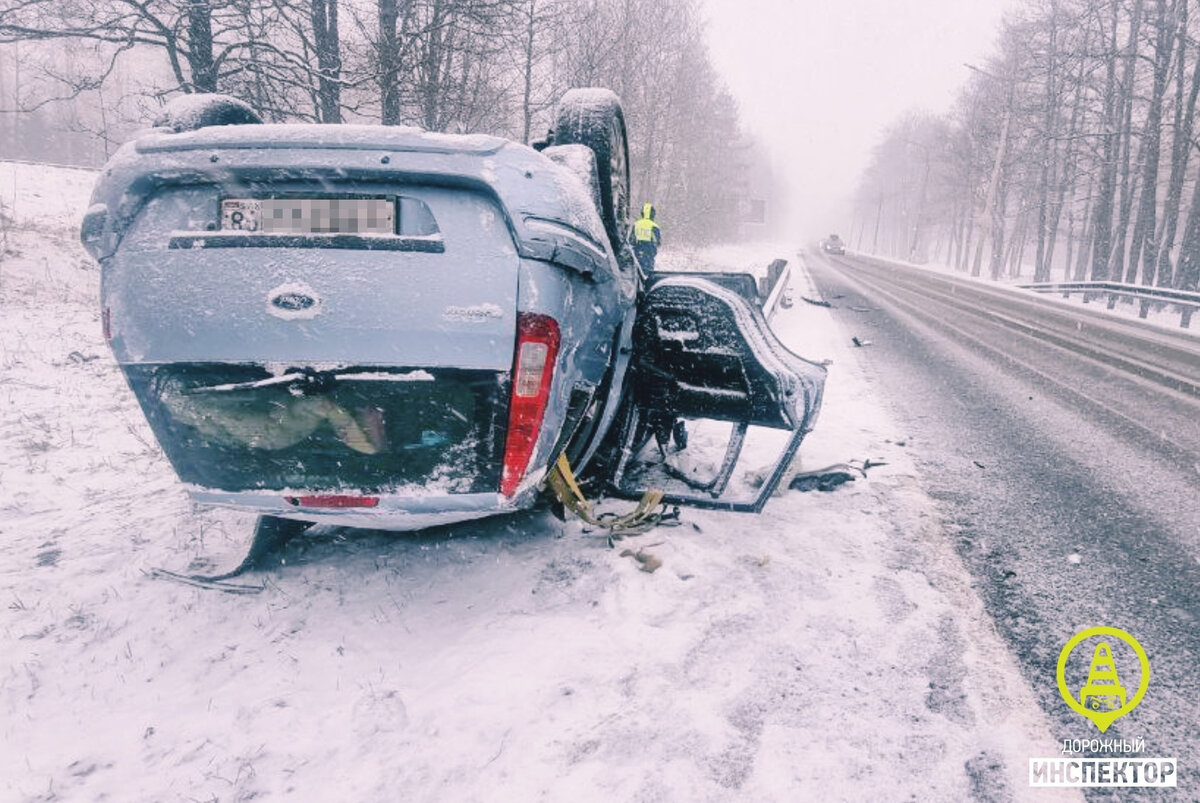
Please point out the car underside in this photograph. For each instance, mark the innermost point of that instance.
(386, 328)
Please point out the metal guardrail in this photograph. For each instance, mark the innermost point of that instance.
(1187, 301)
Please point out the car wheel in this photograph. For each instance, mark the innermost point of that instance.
(190, 112)
(593, 117)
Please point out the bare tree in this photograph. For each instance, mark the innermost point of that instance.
(1144, 246)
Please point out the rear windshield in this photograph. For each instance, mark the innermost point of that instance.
(240, 427)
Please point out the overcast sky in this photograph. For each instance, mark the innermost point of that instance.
(819, 80)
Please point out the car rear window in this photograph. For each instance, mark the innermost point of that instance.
(241, 428)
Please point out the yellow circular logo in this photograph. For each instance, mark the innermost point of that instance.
(1102, 698)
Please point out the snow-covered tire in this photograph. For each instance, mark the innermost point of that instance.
(190, 112)
(580, 160)
(593, 117)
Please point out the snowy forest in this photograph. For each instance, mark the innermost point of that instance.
(78, 76)
(1069, 155)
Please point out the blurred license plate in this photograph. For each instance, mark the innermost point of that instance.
(309, 215)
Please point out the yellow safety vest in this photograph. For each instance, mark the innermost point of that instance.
(643, 230)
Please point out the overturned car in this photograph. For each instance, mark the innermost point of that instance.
(382, 327)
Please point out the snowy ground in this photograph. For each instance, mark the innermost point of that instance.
(829, 648)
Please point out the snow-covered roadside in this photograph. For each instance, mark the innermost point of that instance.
(831, 647)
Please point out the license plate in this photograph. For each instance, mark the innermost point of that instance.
(309, 215)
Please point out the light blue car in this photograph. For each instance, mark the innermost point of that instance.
(380, 327)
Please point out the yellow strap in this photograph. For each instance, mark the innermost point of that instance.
(568, 475)
(566, 488)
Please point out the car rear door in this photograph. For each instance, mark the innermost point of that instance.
(715, 391)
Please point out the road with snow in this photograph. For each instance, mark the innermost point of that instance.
(1070, 482)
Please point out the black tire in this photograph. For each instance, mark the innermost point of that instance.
(593, 117)
(190, 112)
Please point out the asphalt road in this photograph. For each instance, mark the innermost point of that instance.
(1064, 454)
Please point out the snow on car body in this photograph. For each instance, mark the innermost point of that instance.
(356, 371)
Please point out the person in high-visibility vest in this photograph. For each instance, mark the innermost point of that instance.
(646, 238)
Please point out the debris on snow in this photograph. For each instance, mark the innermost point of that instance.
(825, 479)
(648, 563)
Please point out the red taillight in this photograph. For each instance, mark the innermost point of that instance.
(533, 370)
(333, 500)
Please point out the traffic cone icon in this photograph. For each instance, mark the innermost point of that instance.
(1103, 690)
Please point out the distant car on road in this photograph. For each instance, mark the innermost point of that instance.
(833, 245)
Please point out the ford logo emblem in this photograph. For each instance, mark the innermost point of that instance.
(293, 302)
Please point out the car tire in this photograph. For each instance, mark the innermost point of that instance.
(192, 112)
(580, 160)
(593, 117)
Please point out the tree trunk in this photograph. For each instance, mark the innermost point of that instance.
(999, 213)
(1180, 151)
(1086, 239)
(1128, 188)
(1070, 164)
(528, 53)
(1070, 243)
(992, 217)
(1188, 275)
(1145, 246)
(1106, 192)
(389, 62)
(200, 46)
(965, 253)
(324, 18)
(1041, 270)
(878, 216)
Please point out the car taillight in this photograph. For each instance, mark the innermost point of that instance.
(533, 370)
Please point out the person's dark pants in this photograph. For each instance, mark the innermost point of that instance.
(645, 253)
